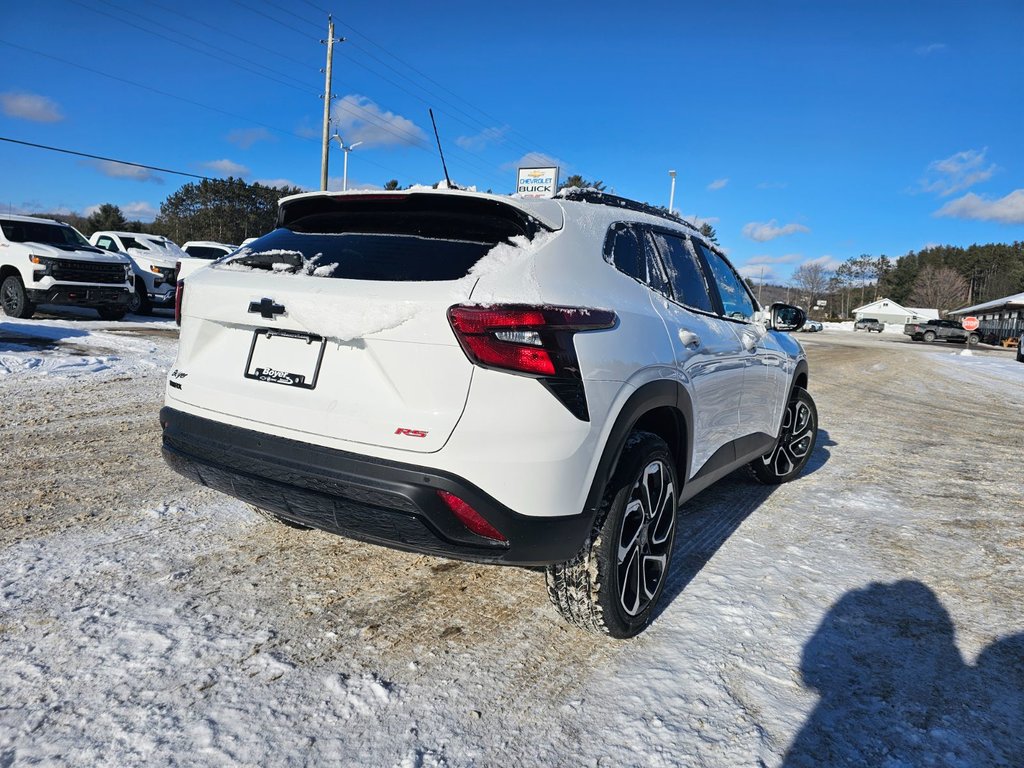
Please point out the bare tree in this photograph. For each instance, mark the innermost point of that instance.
(941, 288)
(812, 280)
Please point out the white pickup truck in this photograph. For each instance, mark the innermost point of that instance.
(155, 259)
(43, 261)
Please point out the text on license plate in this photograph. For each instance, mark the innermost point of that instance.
(285, 357)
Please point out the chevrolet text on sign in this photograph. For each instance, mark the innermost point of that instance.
(537, 182)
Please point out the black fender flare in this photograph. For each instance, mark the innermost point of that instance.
(656, 394)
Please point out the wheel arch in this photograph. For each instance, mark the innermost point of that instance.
(9, 269)
(661, 407)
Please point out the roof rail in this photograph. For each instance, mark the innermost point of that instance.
(578, 194)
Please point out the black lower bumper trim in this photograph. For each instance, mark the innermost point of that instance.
(84, 296)
(382, 502)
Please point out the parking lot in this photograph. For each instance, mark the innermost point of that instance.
(868, 610)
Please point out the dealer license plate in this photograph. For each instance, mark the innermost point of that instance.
(285, 357)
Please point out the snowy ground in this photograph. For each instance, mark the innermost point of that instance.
(867, 614)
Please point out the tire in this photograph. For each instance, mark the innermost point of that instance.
(107, 313)
(138, 302)
(972, 340)
(13, 298)
(795, 444)
(929, 336)
(273, 517)
(614, 583)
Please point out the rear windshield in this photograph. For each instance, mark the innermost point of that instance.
(397, 238)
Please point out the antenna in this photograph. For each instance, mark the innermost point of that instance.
(439, 150)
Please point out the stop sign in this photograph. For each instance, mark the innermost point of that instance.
(970, 323)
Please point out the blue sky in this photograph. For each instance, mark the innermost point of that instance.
(802, 130)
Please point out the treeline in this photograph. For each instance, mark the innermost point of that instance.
(942, 277)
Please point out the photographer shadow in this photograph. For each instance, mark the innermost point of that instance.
(895, 690)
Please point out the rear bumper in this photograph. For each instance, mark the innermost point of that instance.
(80, 295)
(369, 499)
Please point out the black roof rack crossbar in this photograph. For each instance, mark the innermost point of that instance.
(578, 194)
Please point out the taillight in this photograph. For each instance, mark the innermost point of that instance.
(179, 293)
(469, 517)
(530, 340)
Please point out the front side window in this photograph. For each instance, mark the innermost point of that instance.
(684, 272)
(736, 300)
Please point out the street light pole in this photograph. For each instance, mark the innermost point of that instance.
(672, 193)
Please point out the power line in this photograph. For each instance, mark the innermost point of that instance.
(108, 159)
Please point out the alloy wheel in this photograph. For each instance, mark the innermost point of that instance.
(645, 538)
(795, 441)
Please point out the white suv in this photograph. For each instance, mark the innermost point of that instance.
(156, 266)
(47, 262)
(503, 380)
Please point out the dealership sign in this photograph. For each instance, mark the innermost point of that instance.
(537, 182)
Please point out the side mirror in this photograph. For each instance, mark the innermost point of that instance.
(785, 317)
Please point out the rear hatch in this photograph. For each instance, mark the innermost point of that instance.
(335, 323)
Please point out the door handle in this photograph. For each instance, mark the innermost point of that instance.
(689, 339)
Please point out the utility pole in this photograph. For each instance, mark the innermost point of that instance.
(672, 192)
(327, 99)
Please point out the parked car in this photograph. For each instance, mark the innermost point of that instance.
(946, 330)
(154, 258)
(207, 249)
(494, 379)
(812, 326)
(869, 324)
(43, 261)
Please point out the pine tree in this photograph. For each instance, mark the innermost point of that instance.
(709, 232)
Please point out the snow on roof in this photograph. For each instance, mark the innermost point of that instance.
(1015, 301)
(16, 217)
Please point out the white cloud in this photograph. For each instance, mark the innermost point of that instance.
(278, 183)
(826, 261)
(717, 184)
(139, 210)
(357, 118)
(789, 258)
(925, 50)
(121, 171)
(30, 106)
(537, 160)
(227, 167)
(957, 172)
(334, 184)
(246, 137)
(758, 272)
(762, 232)
(482, 140)
(1008, 210)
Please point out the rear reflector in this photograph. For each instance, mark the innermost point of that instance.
(469, 517)
(179, 294)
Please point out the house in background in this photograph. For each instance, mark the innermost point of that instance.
(891, 313)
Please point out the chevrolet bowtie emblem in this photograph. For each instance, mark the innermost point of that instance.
(267, 308)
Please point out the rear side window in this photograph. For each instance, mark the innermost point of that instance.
(684, 271)
(205, 252)
(418, 238)
(736, 300)
(629, 251)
